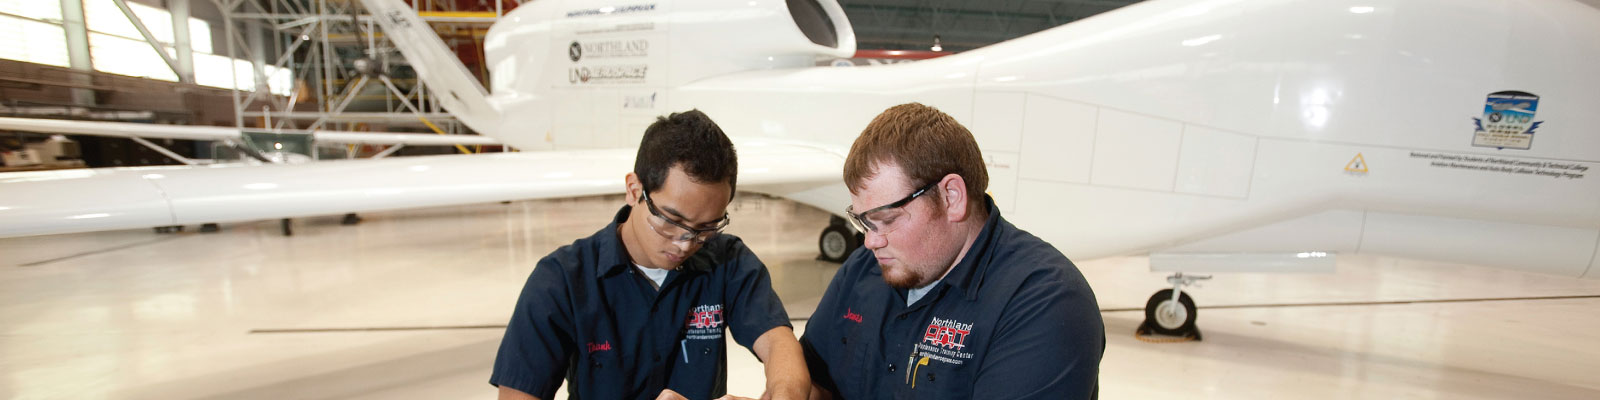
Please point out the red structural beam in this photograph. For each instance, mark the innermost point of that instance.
(465, 5)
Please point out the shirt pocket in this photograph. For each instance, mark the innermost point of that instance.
(857, 363)
(595, 375)
(941, 375)
(700, 352)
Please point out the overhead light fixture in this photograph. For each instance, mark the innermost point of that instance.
(936, 46)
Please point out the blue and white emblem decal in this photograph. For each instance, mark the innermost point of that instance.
(1507, 121)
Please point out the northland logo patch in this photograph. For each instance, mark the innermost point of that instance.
(944, 341)
(947, 333)
(705, 322)
(706, 317)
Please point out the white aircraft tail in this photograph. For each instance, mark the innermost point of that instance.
(436, 65)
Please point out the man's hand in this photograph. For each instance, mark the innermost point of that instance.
(668, 394)
(785, 362)
(818, 393)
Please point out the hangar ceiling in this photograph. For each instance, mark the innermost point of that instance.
(961, 24)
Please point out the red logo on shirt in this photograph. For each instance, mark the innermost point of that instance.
(599, 347)
(947, 333)
(706, 317)
(852, 316)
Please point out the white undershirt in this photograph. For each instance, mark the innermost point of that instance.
(657, 276)
(913, 295)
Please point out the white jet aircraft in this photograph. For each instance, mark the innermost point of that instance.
(1212, 135)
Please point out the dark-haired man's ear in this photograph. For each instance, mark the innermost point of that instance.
(632, 190)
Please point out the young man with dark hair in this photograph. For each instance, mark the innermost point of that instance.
(638, 310)
(948, 299)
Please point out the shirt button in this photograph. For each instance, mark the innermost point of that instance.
(655, 358)
(706, 351)
(891, 367)
(902, 317)
(844, 340)
(930, 377)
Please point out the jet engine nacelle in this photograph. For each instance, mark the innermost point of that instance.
(611, 64)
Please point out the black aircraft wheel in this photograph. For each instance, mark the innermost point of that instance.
(1166, 317)
(837, 242)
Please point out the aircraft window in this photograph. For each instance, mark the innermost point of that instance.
(814, 22)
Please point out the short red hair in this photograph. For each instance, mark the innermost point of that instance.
(926, 143)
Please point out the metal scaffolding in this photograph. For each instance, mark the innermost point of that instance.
(346, 76)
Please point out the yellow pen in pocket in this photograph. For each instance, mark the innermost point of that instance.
(920, 363)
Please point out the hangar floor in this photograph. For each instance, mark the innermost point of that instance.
(411, 304)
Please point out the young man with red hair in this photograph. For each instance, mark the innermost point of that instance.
(947, 299)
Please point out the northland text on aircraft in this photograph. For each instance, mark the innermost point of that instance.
(608, 49)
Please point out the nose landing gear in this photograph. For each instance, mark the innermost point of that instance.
(837, 241)
(1171, 312)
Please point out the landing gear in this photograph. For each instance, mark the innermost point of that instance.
(1170, 311)
(837, 241)
(350, 219)
(287, 229)
(210, 228)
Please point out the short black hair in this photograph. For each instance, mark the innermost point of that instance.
(689, 139)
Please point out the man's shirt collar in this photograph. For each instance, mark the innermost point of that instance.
(614, 258)
(968, 274)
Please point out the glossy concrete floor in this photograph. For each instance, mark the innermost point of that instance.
(411, 305)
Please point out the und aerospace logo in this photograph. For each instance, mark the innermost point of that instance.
(1507, 121)
(608, 74)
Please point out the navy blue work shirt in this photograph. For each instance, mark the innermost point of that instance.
(587, 315)
(1014, 319)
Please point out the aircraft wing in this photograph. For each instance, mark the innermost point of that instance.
(82, 200)
(190, 132)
